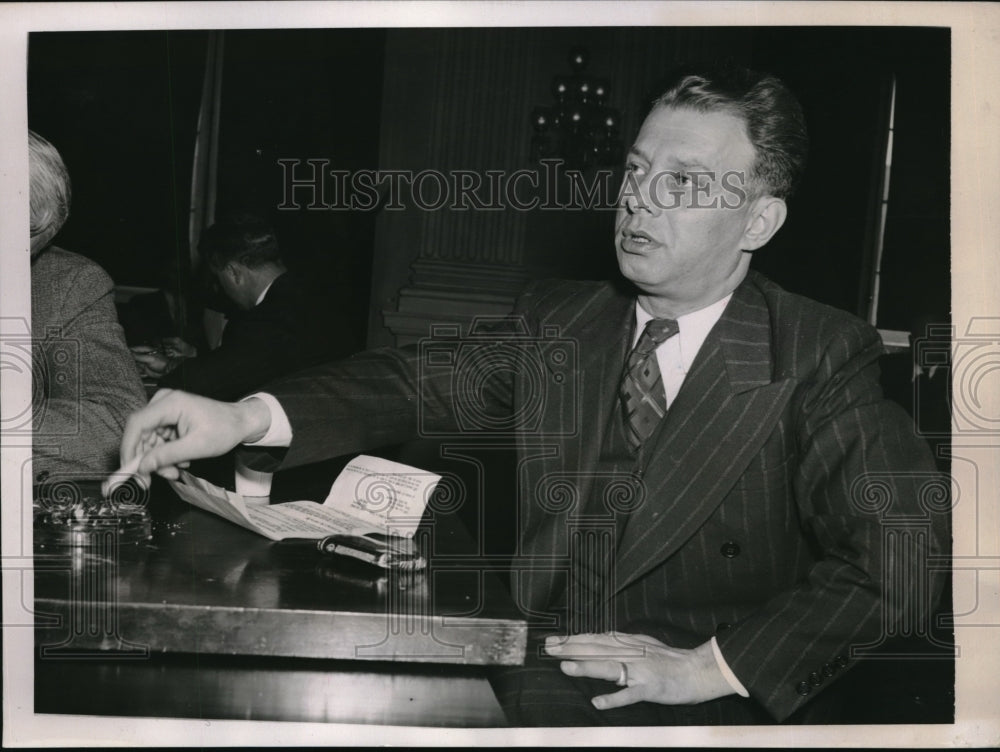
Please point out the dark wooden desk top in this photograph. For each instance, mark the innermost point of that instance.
(206, 586)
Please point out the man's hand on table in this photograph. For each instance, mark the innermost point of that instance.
(156, 362)
(656, 672)
(152, 363)
(175, 347)
(177, 427)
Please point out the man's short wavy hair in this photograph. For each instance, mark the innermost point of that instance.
(50, 191)
(773, 117)
(242, 237)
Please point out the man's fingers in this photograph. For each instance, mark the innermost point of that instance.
(176, 427)
(593, 646)
(166, 455)
(147, 422)
(157, 438)
(660, 673)
(166, 433)
(149, 441)
(627, 638)
(627, 696)
(177, 347)
(621, 640)
(612, 639)
(607, 670)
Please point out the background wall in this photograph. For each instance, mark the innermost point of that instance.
(305, 95)
(122, 108)
(462, 98)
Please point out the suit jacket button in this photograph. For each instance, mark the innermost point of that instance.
(840, 661)
(803, 688)
(828, 670)
(815, 679)
(730, 549)
(723, 626)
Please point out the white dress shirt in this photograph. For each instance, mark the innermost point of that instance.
(675, 355)
(225, 319)
(674, 358)
(263, 293)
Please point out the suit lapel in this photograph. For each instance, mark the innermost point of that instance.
(723, 413)
(600, 337)
(604, 343)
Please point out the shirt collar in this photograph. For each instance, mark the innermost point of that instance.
(693, 327)
(263, 293)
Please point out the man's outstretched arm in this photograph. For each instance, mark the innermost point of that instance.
(177, 427)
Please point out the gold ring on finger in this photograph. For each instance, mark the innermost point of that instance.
(622, 680)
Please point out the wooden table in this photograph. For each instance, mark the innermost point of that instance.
(208, 620)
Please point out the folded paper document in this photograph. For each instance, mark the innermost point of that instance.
(372, 497)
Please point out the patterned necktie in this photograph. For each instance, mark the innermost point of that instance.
(644, 401)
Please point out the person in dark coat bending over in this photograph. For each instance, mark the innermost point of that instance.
(748, 557)
(280, 323)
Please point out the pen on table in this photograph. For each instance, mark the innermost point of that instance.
(386, 554)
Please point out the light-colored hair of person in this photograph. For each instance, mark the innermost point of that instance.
(50, 191)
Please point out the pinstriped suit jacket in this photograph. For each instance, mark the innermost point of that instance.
(761, 512)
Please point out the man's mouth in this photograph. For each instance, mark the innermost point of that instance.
(635, 239)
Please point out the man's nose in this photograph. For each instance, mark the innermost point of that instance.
(635, 198)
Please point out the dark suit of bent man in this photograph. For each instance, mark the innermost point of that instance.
(752, 514)
(290, 329)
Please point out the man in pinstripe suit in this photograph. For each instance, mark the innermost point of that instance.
(701, 513)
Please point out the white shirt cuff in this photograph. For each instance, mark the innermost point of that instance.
(252, 485)
(279, 433)
(727, 672)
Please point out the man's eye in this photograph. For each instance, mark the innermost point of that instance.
(682, 178)
(632, 167)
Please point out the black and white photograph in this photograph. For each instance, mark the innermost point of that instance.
(504, 374)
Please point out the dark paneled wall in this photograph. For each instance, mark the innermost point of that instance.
(462, 98)
(122, 107)
(305, 95)
(840, 75)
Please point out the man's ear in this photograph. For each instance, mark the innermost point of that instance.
(233, 271)
(766, 217)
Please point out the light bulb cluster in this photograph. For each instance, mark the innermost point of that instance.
(579, 127)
